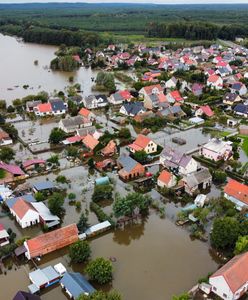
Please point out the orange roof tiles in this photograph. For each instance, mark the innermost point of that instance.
(141, 141)
(52, 241)
(213, 78)
(44, 107)
(84, 112)
(21, 207)
(148, 89)
(165, 176)
(237, 190)
(90, 142)
(235, 272)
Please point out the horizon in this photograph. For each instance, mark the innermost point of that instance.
(168, 2)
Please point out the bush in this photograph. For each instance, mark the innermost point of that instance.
(79, 252)
(100, 270)
(101, 215)
(102, 192)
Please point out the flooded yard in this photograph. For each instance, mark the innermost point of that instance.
(170, 262)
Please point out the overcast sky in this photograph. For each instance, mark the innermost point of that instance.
(132, 1)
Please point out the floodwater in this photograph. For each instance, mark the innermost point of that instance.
(155, 259)
(17, 68)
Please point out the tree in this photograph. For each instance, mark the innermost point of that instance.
(225, 233)
(3, 105)
(100, 295)
(7, 154)
(39, 197)
(202, 214)
(83, 224)
(55, 204)
(102, 192)
(140, 156)
(106, 80)
(219, 177)
(184, 296)
(126, 206)
(72, 151)
(10, 109)
(241, 245)
(100, 270)
(11, 130)
(54, 159)
(124, 133)
(72, 196)
(61, 179)
(79, 252)
(56, 136)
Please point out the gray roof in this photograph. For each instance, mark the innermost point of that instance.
(133, 108)
(86, 130)
(76, 284)
(57, 104)
(175, 158)
(45, 185)
(73, 121)
(198, 177)
(127, 163)
(50, 273)
(89, 99)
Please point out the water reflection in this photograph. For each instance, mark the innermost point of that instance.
(129, 233)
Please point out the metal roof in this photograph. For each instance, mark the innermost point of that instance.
(45, 185)
(97, 227)
(28, 198)
(76, 284)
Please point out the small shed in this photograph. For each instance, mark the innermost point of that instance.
(200, 200)
(98, 228)
(196, 120)
(102, 180)
(60, 269)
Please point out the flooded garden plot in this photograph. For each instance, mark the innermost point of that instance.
(36, 133)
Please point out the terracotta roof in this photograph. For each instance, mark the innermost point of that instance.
(207, 110)
(125, 94)
(53, 240)
(234, 272)
(141, 142)
(44, 107)
(237, 190)
(213, 78)
(148, 89)
(84, 112)
(13, 169)
(165, 176)
(109, 149)
(90, 142)
(31, 162)
(176, 95)
(21, 207)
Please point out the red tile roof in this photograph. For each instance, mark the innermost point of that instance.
(165, 176)
(84, 112)
(21, 207)
(53, 240)
(176, 95)
(207, 110)
(213, 78)
(3, 135)
(44, 107)
(237, 190)
(140, 143)
(31, 162)
(90, 142)
(234, 272)
(125, 94)
(13, 169)
(148, 89)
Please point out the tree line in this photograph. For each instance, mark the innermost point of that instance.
(196, 30)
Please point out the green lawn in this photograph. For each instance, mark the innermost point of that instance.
(245, 143)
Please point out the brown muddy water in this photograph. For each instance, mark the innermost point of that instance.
(18, 69)
(155, 259)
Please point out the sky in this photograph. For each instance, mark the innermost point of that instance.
(132, 1)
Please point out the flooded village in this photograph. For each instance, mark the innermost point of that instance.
(137, 157)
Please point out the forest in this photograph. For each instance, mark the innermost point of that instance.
(72, 24)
